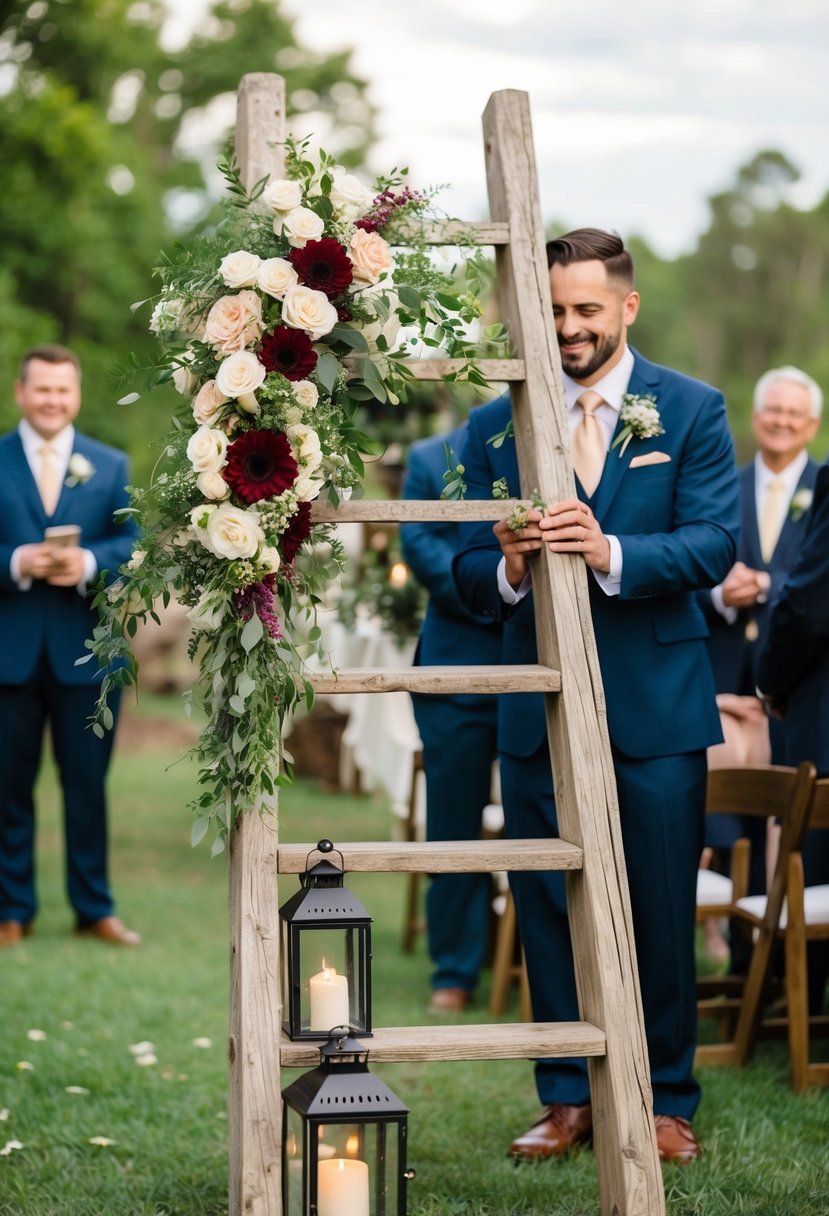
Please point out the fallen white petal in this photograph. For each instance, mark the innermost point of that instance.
(146, 1060)
(202, 1042)
(25, 1066)
(101, 1141)
(67, 1025)
(36, 1036)
(142, 1049)
(9, 1147)
(4, 1114)
(76, 1089)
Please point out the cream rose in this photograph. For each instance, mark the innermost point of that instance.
(199, 518)
(350, 196)
(208, 403)
(307, 488)
(282, 195)
(212, 485)
(240, 374)
(232, 533)
(234, 322)
(207, 450)
(304, 308)
(240, 268)
(275, 276)
(301, 226)
(209, 612)
(270, 557)
(306, 393)
(306, 444)
(370, 256)
(184, 380)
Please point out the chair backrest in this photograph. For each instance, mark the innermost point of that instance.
(819, 815)
(764, 791)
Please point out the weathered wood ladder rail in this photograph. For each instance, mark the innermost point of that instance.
(611, 1034)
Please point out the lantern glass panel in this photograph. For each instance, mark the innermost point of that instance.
(373, 1190)
(333, 979)
(295, 1163)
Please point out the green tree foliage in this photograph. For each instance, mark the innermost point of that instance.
(109, 139)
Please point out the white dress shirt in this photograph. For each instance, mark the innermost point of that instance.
(62, 445)
(612, 389)
(763, 477)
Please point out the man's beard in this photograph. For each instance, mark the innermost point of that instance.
(582, 366)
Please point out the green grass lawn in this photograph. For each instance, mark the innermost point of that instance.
(767, 1150)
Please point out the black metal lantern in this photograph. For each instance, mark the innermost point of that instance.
(344, 1138)
(326, 955)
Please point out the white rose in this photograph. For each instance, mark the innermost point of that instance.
(292, 414)
(275, 276)
(304, 308)
(234, 322)
(212, 485)
(209, 612)
(240, 268)
(199, 518)
(301, 226)
(370, 256)
(239, 374)
(350, 196)
(208, 403)
(306, 444)
(184, 380)
(307, 488)
(167, 315)
(207, 450)
(232, 533)
(306, 393)
(137, 559)
(270, 557)
(282, 195)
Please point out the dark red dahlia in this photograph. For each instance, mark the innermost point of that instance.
(324, 266)
(260, 464)
(289, 352)
(295, 533)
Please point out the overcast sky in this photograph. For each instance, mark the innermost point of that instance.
(639, 111)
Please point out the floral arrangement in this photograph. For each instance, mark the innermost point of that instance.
(801, 501)
(273, 328)
(640, 420)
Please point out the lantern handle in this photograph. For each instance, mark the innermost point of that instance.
(325, 846)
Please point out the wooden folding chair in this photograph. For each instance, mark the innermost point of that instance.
(768, 791)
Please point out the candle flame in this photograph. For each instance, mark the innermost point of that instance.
(352, 1145)
(399, 574)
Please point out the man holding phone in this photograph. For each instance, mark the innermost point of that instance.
(58, 494)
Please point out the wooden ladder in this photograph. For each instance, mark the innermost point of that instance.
(611, 1033)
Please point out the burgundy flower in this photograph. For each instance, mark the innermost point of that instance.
(295, 533)
(323, 265)
(260, 464)
(259, 598)
(288, 351)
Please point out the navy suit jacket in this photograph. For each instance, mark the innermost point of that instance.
(794, 667)
(57, 619)
(677, 523)
(451, 634)
(735, 648)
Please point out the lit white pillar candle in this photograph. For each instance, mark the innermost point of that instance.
(329, 999)
(342, 1188)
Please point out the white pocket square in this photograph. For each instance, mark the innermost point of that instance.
(639, 462)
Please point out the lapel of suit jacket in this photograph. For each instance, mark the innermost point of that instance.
(644, 379)
(749, 527)
(792, 527)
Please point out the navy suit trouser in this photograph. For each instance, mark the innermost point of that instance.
(662, 812)
(459, 747)
(82, 761)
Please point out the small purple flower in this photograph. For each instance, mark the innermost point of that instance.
(259, 598)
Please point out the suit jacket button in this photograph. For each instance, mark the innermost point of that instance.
(752, 632)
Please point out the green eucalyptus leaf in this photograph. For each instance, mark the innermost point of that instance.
(252, 633)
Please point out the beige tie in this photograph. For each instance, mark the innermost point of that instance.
(771, 519)
(587, 444)
(48, 483)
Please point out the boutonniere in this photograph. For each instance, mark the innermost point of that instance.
(79, 470)
(640, 420)
(801, 501)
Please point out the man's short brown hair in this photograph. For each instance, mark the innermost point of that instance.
(593, 245)
(49, 353)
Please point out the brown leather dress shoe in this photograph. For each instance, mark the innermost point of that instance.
(560, 1128)
(449, 1000)
(110, 929)
(12, 932)
(675, 1139)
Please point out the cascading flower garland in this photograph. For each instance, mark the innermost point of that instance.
(273, 329)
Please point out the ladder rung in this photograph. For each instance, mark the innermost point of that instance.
(527, 677)
(452, 232)
(511, 1041)
(493, 370)
(440, 856)
(411, 510)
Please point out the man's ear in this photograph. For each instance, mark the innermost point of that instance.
(630, 308)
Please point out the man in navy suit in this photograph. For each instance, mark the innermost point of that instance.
(51, 476)
(793, 676)
(458, 734)
(655, 519)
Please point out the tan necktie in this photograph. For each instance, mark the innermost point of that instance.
(587, 443)
(771, 520)
(48, 483)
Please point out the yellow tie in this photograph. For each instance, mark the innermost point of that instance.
(770, 520)
(48, 483)
(588, 445)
